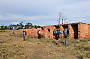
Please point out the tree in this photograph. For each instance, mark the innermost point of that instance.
(21, 25)
(28, 25)
(2, 28)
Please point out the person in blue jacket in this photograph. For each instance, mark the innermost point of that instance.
(66, 34)
(57, 33)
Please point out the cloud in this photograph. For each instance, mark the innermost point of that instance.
(76, 9)
(15, 23)
(42, 11)
(13, 17)
(42, 17)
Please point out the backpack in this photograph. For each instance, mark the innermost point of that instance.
(66, 32)
(57, 32)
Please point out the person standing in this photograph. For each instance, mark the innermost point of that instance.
(39, 34)
(66, 34)
(24, 35)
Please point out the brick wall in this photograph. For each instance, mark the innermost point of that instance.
(71, 32)
(83, 31)
(46, 33)
(88, 30)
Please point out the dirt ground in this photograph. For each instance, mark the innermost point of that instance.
(12, 46)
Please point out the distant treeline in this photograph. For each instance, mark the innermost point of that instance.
(19, 26)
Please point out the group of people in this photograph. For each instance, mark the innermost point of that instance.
(56, 33)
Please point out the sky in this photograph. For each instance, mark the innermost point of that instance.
(43, 12)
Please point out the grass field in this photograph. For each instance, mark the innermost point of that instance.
(12, 46)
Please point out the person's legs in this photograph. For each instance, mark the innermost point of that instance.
(24, 38)
(39, 36)
(56, 36)
(65, 41)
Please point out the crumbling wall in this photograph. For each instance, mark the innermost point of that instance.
(32, 32)
(71, 32)
(48, 34)
(88, 30)
(82, 31)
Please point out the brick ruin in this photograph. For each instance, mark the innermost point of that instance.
(76, 30)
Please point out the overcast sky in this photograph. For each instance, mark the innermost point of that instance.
(43, 12)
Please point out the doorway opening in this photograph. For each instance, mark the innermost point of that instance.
(75, 28)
